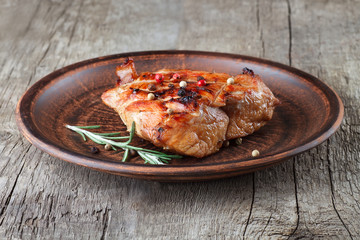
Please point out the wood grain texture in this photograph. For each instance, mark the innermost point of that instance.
(314, 195)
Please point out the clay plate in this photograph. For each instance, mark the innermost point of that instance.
(309, 113)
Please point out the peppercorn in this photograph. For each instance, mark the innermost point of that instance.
(183, 84)
(238, 141)
(170, 111)
(230, 81)
(255, 153)
(176, 76)
(159, 78)
(107, 147)
(181, 92)
(171, 85)
(132, 153)
(248, 71)
(226, 143)
(151, 96)
(201, 83)
(152, 87)
(94, 150)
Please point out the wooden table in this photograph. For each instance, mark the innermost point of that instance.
(313, 195)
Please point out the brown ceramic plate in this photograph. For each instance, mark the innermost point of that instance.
(309, 113)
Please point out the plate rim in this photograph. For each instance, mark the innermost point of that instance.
(138, 170)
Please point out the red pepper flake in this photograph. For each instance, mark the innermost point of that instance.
(159, 78)
(201, 83)
(176, 76)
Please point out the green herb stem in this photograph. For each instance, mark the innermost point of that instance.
(149, 156)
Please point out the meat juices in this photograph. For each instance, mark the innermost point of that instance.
(175, 111)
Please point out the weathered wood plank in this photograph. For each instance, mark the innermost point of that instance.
(313, 195)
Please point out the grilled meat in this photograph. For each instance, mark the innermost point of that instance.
(194, 119)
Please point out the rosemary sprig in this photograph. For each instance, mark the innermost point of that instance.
(149, 156)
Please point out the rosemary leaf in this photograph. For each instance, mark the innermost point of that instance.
(110, 134)
(83, 136)
(88, 127)
(126, 154)
(132, 131)
(117, 138)
(148, 155)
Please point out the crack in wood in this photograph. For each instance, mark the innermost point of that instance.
(290, 31)
(269, 219)
(22, 213)
(296, 199)
(267, 224)
(6, 88)
(47, 220)
(262, 43)
(332, 188)
(106, 219)
(75, 24)
(30, 79)
(252, 204)
(27, 28)
(8, 198)
(257, 15)
(61, 16)
(44, 54)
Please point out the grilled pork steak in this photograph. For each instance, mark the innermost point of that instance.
(190, 112)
